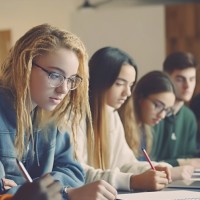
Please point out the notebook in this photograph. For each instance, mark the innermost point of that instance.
(161, 195)
(193, 184)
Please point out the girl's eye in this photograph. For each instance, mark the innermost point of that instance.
(119, 83)
(180, 79)
(55, 76)
(158, 105)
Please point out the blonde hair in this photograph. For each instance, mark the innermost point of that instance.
(15, 74)
(132, 125)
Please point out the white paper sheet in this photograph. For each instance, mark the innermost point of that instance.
(162, 195)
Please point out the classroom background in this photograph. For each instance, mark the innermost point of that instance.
(145, 29)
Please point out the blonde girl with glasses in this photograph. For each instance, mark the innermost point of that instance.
(152, 100)
(44, 77)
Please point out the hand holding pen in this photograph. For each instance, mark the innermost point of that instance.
(158, 167)
(44, 188)
(148, 159)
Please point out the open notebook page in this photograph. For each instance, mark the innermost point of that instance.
(162, 195)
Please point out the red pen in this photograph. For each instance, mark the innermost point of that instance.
(147, 158)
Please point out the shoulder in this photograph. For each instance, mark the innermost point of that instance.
(187, 112)
(6, 97)
(7, 111)
(195, 100)
(194, 106)
(51, 136)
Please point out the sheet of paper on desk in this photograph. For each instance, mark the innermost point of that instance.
(197, 171)
(185, 184)
(162, 195)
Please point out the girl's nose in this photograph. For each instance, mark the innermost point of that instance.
(63, 88)
(186, 84)
(127, 90)
(162, 114)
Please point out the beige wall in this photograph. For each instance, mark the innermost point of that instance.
(21, 15)
(139, 30)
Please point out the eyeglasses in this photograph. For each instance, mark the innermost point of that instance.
(56, 79)
(159, 107)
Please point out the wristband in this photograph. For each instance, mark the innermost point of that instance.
(65, 192)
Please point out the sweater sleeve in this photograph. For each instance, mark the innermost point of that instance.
(68, 171)
(123, 163)
(119, 180)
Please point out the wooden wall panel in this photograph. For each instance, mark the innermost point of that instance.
(197, 22)
(183, 31)
(5, 43)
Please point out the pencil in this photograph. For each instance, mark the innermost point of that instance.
(24, 171)
(148, 159)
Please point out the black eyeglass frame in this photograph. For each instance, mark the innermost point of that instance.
(169, 111)
(64, 78)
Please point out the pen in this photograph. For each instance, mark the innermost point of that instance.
(147, 158)
(24, 171)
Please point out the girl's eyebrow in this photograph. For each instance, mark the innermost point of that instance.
(124, 80)
(160, 102)
(180, 76)
(56, 68)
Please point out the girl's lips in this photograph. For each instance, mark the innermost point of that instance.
(55, 100)
(122, 100)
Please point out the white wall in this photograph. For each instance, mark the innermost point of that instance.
(21, 15)
(139, 30)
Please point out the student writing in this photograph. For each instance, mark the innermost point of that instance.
(44, 76)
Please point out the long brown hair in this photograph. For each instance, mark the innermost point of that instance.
(104, 68)
(15, 74)
(130, 124)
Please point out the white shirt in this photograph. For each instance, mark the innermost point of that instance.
(123, 163)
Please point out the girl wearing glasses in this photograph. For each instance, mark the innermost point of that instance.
(112, 77)
(44, 77)
(152, 100)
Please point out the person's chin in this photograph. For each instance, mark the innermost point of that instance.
(117, 106)
(49, 108)
(186, 98)
(154, 122)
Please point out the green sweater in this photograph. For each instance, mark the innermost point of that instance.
(175, 137)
